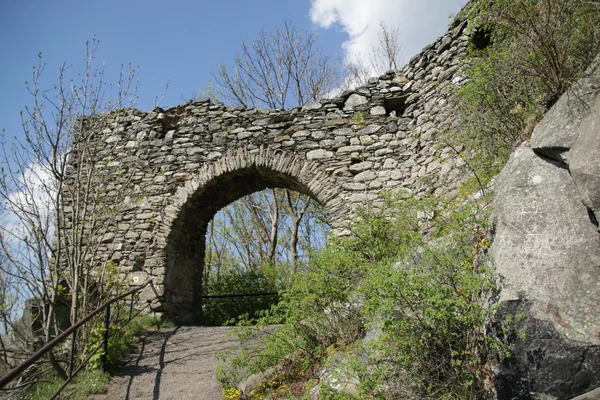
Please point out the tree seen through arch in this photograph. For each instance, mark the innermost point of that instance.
(255, 245)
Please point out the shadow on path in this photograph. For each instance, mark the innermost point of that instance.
(177, 363)
(161, 364)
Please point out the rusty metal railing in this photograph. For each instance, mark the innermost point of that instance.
(72, 331)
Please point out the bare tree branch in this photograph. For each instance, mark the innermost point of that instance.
(279, 69)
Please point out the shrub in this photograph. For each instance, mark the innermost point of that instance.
(223, 311)
(429, 311)
(123, 339)
(84, 384)
(553, 41)
(537, 48)
(411, 275)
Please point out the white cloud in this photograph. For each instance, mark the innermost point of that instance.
(419, 22)
(31, 201)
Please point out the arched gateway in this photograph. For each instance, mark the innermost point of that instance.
(167, 172)
(217, 184)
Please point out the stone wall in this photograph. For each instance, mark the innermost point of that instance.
(177, 167)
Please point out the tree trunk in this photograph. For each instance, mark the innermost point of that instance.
(274, 214)
(296, 218)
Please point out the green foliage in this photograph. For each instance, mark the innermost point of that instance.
(221, 311)
(413, 275)
(326, 392)
(84, 384)
(255, 245)
(123, 339)
(553, 41)
(427, 306)
(359, 119)
(308, 331)
(537, 49)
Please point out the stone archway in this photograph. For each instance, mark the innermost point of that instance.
(238, 173)
(174, 168)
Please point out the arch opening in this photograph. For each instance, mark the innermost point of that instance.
(185, 250)
(255, 246)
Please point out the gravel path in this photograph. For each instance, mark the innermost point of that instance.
(177, 363)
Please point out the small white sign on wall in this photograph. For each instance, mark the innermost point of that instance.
(137, 278)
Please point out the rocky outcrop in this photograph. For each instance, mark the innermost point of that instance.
(546, 250)
(560, 129)
(584, 163)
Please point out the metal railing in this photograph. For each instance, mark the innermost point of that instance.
(72, 331)
(233, 296)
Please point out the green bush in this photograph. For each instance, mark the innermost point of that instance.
(123, 338)
(315, 313)
(537, 48)
(553, 42)
(223, 311)
(413, 274)
(429, 310)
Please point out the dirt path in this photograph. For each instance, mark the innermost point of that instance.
(177, 363)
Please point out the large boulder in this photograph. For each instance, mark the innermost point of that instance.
(546, 251)
(557, 133)
(584, 159)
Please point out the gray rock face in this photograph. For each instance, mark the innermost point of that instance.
(584, 159)
(546, 365)
(546, 246)
(592, 395)
(560, 128)
(547, 254)
(546, 250)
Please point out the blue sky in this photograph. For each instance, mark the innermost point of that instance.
(182, 42)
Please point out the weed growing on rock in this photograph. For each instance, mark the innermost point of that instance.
(359, 119)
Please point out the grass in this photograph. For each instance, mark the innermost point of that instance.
(88, 382)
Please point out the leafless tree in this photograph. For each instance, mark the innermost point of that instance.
(275, 226)
(279, 69)
(385, 55)
(50, 202)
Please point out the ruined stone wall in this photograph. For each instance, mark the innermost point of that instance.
(177, 167)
